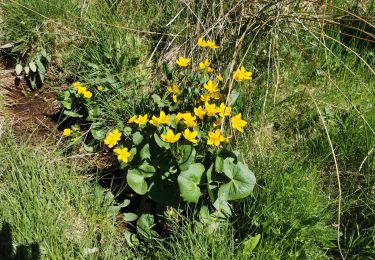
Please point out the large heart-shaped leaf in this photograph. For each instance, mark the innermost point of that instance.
(136, 180)
(188, 182)
(242, 181)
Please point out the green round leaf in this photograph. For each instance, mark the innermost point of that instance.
(242, 181)
(136, 181)
(129, 217)
(188, 182)
(137, 138)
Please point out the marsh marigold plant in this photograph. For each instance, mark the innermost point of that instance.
(178, 148)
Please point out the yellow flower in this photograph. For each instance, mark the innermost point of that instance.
(112, 138)
(77, 84)
(210, 70)
(141, 120)
(174, 97)
(122, 154)
(87, 94)
(202, 43)
(162, 119)
(238, 123)
(219, 77)
(215, 138)
(190, 136)
(80, 89)
(215, 95)
(204, 65)
(67, 132)
(199, 112)
(205, 97)
(170, 137)
(180, 116)
(132, 119)
(211, 86)
(182, 62)
(100, 88)
(242, 74)
(211, 44)
(211, 109)
(223, 110)
(189, 120)
(174, 89)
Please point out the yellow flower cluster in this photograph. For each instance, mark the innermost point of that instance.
(112, 139)
(81, 90)
(210, 44)
(206, 66)
(139, 120)
(175, 91)
(162, 119)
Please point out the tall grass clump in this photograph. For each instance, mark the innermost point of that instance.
(48, 210)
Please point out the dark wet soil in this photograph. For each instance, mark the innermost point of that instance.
(28, 111)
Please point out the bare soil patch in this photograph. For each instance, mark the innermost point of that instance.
(29, 112)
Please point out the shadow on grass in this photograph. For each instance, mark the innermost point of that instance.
(21, 252)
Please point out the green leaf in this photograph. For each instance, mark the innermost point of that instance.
(93, 114)
(72, 113)
(166, 71)
(188, 182)
(67, 104)
(250, 244)
(129, 217)
(223, 209)
(145, 223)
(97, 131)
(137, 138)
(187, 156)
(145, 152)
(204, 215)
(163, 189)
(127, 131)
(32, 66)
(209, 180)
(147, 170)
(136, 181)
(219, 164)
(158, 101)
(241, 184)
(130, 238)
(18, 69)
(88, 148)
(40, 66)
(233, 97)
(160, 142)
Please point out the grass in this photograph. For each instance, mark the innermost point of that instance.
(46, 205)
(294, 206)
